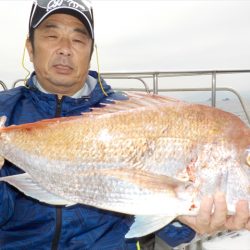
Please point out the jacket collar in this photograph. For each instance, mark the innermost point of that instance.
(86, 98)
(83, 92)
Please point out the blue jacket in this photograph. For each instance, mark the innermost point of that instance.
(26, 223)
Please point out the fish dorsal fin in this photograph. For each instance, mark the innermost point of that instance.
(25, 184)
(135, 101)
(151, 99)
(147, 224)
(139, 99)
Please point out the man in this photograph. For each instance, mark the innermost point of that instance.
(60, 45)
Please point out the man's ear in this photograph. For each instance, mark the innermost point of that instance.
(29, 48)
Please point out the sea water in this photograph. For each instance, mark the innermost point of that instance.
(234, 106)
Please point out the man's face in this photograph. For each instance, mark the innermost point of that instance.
(61, 54)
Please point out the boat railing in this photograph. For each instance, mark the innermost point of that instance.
(3, 85)
(155, 76)
(150, 83)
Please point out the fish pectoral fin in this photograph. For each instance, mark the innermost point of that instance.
(147, 224)
(29, 187)
(144, 179)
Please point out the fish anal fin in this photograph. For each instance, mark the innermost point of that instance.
(147, 224)
(25, 184)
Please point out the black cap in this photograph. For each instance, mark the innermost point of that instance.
(81, 9)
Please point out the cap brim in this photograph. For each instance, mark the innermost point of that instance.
(43, 14)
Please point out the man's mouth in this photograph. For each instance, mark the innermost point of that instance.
(63, 69)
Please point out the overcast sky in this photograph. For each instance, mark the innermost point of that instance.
(147, 35)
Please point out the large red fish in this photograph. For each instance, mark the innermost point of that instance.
(150, 156)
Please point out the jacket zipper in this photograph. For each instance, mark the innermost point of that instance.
(56, 238)
(57, 233)
(59, 106)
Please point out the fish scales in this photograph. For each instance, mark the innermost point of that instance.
(114, 127)
(96, 136)
(95, 140)
(131, 155)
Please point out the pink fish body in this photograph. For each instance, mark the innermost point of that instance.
(150, 156)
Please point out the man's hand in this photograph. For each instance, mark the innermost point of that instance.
(210, 222)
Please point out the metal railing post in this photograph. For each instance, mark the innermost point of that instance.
(213, 89)
(155, 83)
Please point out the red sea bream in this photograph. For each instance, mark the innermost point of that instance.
(150, 156)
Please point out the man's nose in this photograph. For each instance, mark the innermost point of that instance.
(64, 47)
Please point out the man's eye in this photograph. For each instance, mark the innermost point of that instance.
(52, 36)
(78, 41)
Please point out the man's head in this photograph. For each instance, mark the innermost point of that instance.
(41, 9)
(60, 43)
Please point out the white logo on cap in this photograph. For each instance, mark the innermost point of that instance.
(71, 3)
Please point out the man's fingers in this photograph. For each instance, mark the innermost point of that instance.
(203, 218)
(220, 212)
(209, 221)
(201, 222)
(247, 226)
(240, 219)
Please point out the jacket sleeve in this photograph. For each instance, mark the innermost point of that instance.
(7, 196)
(176, 233)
